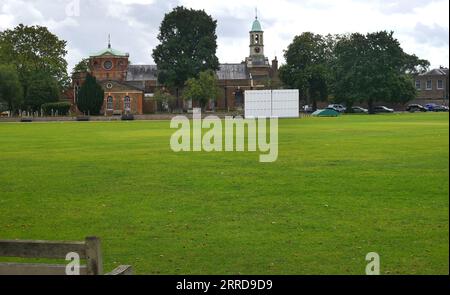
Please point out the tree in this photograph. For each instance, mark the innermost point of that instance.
(42, 88)
(202, 89)
(188, 44)
(11, 92)
(82, 66)
(32, 49)
(90, 96)
(165, 100)
(374, 67)
(307, 67)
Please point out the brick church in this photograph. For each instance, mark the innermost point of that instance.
(129, 88)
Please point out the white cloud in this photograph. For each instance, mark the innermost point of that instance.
(421, 25)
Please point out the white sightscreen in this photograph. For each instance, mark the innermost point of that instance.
(258, 103)
(285, 103)
(272, 103)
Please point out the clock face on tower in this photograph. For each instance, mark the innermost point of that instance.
(257, 50)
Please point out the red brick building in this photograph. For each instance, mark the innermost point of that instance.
(110, 68)
(129, 88)
(432, 86)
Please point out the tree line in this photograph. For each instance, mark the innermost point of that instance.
(352, 68)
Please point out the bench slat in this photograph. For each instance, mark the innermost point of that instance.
(41, 249)
(123, 270)
(32, 269)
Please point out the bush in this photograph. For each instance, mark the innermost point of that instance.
(61, 107)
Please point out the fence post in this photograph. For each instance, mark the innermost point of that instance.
(94, 256)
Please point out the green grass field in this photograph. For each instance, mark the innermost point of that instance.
(341, 188)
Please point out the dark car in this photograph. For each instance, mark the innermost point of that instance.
(382, 109)
(360, 110)
(432, 107)
(416, 108)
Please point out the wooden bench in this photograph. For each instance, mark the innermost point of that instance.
(89, 250)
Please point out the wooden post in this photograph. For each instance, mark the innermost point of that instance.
(94, 256)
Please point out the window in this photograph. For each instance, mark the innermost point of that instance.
(429, 85)
(108, 65)
(440, 84)
(127, 103)
(418, 84)
(110, 103)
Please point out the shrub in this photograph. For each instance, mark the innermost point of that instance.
(61, 107)
(90, 96)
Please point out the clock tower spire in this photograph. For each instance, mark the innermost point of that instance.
(256, 38)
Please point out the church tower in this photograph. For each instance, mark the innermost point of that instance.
(256, 40)
(257, 63)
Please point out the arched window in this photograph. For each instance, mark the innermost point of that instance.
(110, 103)
(257, 39)
(127, 103)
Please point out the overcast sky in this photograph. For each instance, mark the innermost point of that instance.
(422, 26)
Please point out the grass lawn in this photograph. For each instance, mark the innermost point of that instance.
(342, 187)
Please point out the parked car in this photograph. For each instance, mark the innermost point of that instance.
(432, 107)
(360, 110)
(383, 109)
(337, 107)
(307, 109)
(4, 114)
(416, 108)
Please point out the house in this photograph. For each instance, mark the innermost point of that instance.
(432, 86)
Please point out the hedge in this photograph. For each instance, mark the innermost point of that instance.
(61, 107)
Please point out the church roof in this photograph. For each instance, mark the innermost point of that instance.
(109, 51)
(232, 72)
(142, 73)
(256, 26)
(139, 73)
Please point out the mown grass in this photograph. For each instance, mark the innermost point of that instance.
(342, 187)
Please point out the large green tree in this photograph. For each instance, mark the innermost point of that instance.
(374, 67)
(82, 66)
(307, 66)
(90, 96)
(42, 88)
(202, 89)
(32, 49)
(188, 44)
(11, 92)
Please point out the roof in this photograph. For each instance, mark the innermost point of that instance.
(326, 113)
(142, 73)
(137, 73)
(232, 72)
(130, 85)
(256, 26)
(436, 72)
(109, 51)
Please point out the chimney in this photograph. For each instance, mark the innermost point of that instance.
(275, 64)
